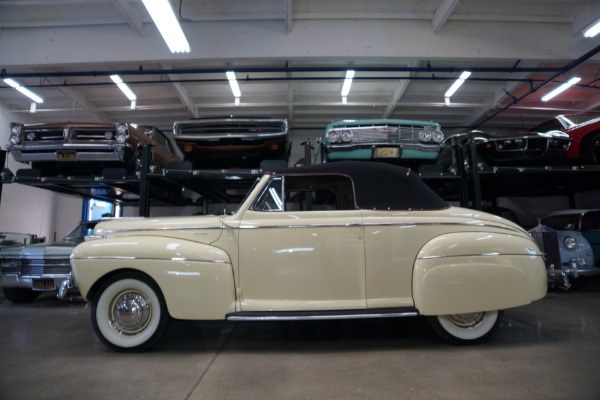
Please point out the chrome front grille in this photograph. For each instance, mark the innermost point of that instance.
(548, 242)
(231, 128)
(383, 134)
(44, 135)
(36, 266)
(93, 134)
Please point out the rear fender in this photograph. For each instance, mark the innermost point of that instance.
(466, 272)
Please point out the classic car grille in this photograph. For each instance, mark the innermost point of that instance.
(45, 135)
(383, 134)
(227, 128)
(35, 266)
(93, 134)
(548, 242)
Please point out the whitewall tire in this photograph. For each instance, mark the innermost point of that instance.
(129, 312)
(466, 328)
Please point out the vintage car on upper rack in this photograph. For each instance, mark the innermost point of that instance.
(11, 239)
(87, 148)
(584, 129)
(233, 142)
(391, 140)
(511, 148)
(350, 239)
(27, 271)
(571, 241)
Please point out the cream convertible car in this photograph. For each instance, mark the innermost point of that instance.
(339, 240)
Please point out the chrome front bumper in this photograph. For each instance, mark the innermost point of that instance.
(82, 152)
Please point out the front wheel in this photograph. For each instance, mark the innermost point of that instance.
(466, 328)
(129, 312)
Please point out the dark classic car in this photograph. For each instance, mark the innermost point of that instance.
(27, 271)
(571, 241)
(10, 239)
(233, 142)
(391, 140)
(584, 129)
(77, 148)
(349, 239)
(509, 148)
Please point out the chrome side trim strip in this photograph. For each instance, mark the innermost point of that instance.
(318, 317)
(150, 259)
(162, 229)
(479, 255)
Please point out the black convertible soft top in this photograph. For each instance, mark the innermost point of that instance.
(379, 186)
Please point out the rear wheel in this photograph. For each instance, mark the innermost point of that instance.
(129, 312)
(466, 328)
(20, 295)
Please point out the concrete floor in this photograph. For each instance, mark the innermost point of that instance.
(546, 350)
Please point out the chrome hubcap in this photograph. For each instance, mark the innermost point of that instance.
(467, 321)
(129, 312)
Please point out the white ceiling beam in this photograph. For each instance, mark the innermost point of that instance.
(442, 13)
(133, 17)
(288, 16)
(181, 91)
(399, 92)
(79, 98)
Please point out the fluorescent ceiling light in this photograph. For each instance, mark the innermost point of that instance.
(124, 88)
(347, 83)
(24, 90)
(458, 83)
(592, 30)
(233, 83)
(163, 16)
(561, 89)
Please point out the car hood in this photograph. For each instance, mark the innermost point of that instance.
(58, 249)
(206, 228)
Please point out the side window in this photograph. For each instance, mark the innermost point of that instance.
(561, 222)
(162, 140)
(551, 125)
(307, 193)
(271, 197)
(591, 221)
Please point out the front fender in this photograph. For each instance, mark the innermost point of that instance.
(196, 279)
(466, 272)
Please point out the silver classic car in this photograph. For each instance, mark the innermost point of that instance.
(338, 240)
(571, 241)
(27, 271)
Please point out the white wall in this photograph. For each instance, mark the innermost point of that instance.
(33, 210)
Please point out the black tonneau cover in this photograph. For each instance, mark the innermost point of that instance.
(379, 186)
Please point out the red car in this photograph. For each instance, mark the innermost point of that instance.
(584, 129)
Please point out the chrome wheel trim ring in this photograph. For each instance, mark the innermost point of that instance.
(469, 326)
(129, 312)
(467, 321)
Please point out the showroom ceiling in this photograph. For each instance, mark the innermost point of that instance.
(290, 57)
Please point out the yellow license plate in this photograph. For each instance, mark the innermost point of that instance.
(66, 155)
(386, 152)
(43, 284)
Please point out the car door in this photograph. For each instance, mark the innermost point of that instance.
(301, 247)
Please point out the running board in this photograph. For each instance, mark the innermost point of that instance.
(322, 315)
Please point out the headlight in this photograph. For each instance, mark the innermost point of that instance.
(438, 136)
(16, 135)
(333, 136)
(425, 136)
(570, 242)
(122, 132)
(346, 136)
